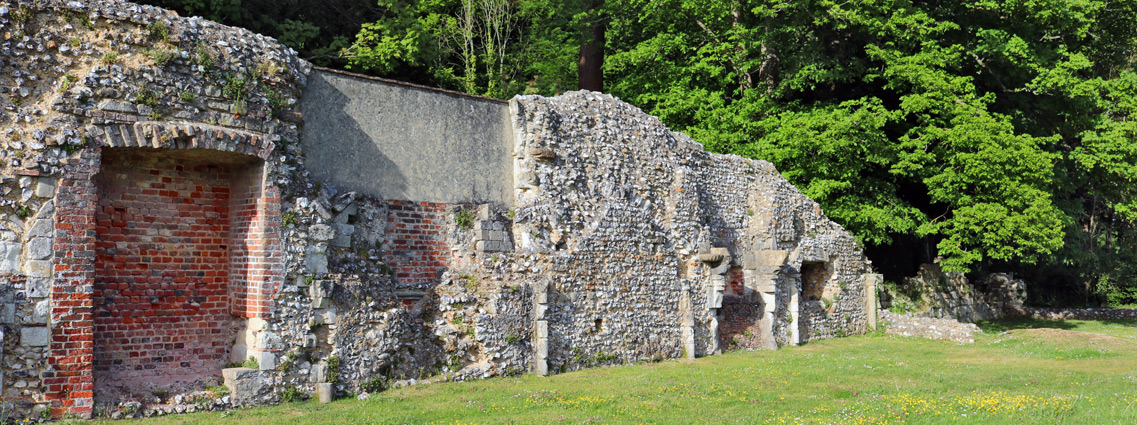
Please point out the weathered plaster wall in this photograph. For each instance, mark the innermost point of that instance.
(397, 141)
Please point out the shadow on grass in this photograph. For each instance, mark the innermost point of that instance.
(1004, 325)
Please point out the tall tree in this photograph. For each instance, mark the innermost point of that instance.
(591, 67)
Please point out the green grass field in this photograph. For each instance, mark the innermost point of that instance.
(1037, 372)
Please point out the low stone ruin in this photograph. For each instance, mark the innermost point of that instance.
(950, 295)
(903, 324)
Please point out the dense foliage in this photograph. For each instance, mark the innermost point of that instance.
(994, 135)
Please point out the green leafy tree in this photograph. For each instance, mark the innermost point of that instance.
(996, 134)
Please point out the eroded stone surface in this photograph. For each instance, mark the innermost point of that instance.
(928, 327)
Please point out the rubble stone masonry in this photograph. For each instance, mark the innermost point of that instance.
(160, 219)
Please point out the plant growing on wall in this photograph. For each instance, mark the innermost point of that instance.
(333, 369)
(291, 394)
(464, 218)
(159, 31)
(251, 363)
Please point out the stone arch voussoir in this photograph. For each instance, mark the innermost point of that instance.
(175, 135)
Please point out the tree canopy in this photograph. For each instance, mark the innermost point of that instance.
(994, 135)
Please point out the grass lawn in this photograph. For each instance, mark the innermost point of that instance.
(1027, 371)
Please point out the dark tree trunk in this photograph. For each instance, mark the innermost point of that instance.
(591, 71)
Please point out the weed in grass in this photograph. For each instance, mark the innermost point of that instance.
(376, 384)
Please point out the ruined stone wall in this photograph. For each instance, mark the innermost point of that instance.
(84, 77)
(928, 327)
(950, 295)
(786, 220)
(628, 228)
(613, 240)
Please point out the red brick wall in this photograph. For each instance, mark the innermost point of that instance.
(740, 314)
(71, 356)
(415, 243)
(70, 382)
(161, 284)
(734, 281)
(740, 319)
(256, 256)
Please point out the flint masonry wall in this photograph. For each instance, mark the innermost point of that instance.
(410, 234)
(630, 230)
(111, 238)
